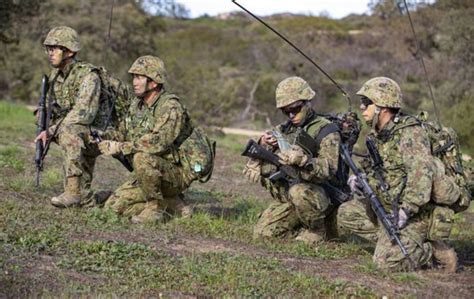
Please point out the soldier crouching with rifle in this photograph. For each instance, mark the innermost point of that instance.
(405, 178)
(295, 178)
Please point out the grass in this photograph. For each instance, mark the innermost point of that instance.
(9, 158)
(50, 252)
(233, 143)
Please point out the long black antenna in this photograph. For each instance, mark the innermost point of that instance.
(422, 61)
(107, 41)
(344, 93)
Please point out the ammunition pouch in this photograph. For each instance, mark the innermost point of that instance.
(440, 224)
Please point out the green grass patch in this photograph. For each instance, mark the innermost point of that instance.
(211, 274)
(219, 218)
(97, 218)
(21, 183)
(9, 157)
(51, 177)
(409, 278)
(112, 258)
(204, 224)
(15, 119)
(233, 143)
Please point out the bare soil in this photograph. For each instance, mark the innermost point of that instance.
(40, 272)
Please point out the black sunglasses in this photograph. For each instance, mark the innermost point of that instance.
(366, 102)
(293, 109)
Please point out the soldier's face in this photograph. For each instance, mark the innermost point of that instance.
(368, 109)
(139, 84)
(296, 112)
(57, 55)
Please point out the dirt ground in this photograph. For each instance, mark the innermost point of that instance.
(41, 271)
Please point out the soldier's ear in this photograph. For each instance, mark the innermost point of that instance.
(68, 53)
(151, 84)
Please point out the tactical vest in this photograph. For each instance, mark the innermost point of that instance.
(141, 120)
(318, 127)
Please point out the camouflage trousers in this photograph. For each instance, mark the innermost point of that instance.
(79, 153)
(358, 217)
(155, 179)
(303, 206)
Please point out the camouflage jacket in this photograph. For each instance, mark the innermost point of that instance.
(325, 162)
(76, 95)
(404, 148)
(157, 129)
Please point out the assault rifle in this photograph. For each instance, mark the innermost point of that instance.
(377, 163)
(120, 156)
(288, 174)
(95, 134)
(391, 228)
(40, 151)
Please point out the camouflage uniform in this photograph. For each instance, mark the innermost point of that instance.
(303, 207)
(153, 135)
(413, 177)
(75, 93)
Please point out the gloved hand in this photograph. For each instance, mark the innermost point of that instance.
(354, 185)
(109, 147)
(403, 217)
(293, 156)
(252, 170)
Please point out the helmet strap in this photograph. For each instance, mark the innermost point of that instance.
(65, 60)
(375, 119)
(148, 91)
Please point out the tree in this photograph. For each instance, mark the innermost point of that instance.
(12, 13)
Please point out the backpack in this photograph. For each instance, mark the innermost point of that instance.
(348, 126)
(198, 152)
(445, 146)
(115, 99)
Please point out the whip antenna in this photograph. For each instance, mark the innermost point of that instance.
(107, 41)
(344, 93)
(422, 61)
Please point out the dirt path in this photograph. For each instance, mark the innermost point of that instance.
(433, 283)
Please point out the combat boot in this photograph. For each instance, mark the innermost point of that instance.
(445, 256)
(152, 213)
(178, 207)
(311, 237)
(71, 195)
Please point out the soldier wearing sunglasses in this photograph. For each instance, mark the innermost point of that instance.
(303, 209)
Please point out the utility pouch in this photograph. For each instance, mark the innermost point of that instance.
(441, 223)
(463, 202)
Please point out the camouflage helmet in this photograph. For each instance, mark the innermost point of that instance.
(150, 66)
(63, 36)
(383, 91)
(291, 90)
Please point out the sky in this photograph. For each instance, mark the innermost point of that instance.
(335, 8)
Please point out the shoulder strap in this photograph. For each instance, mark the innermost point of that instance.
(165, 97)
(325, 131)
(407, 121)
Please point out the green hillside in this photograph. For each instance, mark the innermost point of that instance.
(226, 70)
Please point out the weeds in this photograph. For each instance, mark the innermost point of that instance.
(94, 252)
